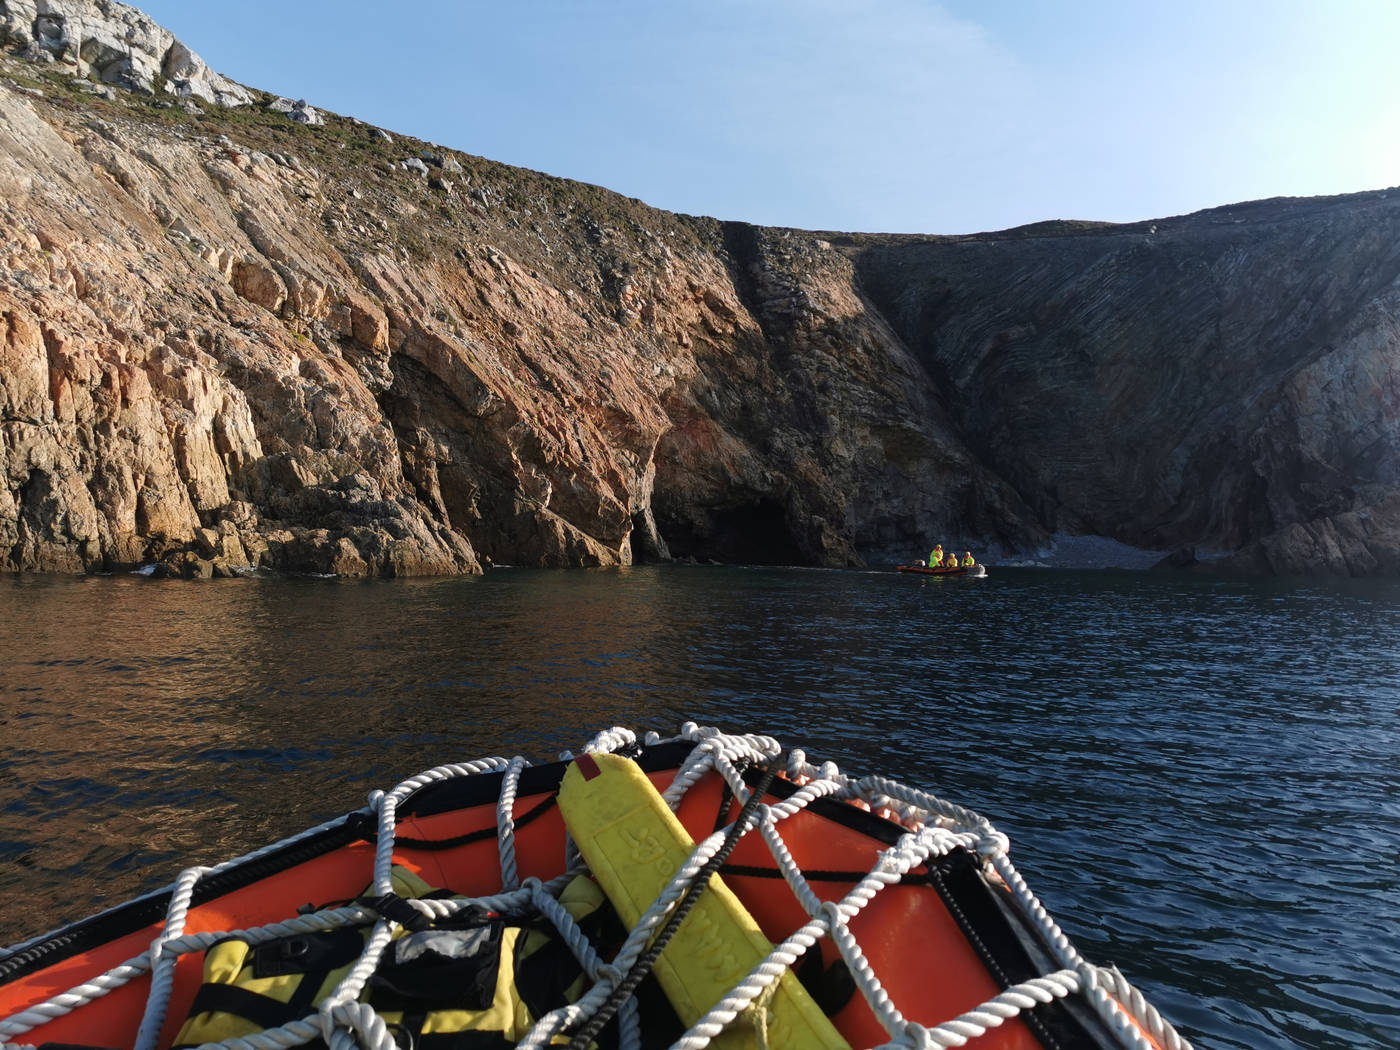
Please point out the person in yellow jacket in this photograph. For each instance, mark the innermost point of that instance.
(935, 558)
(968, 561)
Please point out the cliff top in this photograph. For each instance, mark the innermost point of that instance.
(75, 51)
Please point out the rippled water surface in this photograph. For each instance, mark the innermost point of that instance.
(1201, 779)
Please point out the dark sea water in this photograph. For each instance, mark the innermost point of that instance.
(1200, 778)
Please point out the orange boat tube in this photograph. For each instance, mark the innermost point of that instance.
(705, 889)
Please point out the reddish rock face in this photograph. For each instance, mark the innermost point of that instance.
(227, 339)
(217, 353)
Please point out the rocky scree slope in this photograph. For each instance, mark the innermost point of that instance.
(238, 331)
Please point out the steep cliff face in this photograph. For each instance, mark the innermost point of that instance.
(1226, 381)
(228, 339)
(234, 331)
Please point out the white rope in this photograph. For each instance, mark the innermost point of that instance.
(347, 992)
(879, 790)
(293, 1033)
(1126, 1026)
(163, 962)
(66, 1002)
(829, 917)
(721, 753)
(355, 1026)
(991, 1014)
(588, 957)
(137, 966)
(505, 823)
(934, 825)
(610, 740)
(611, 977)
(1064, 952)
(1137, 1007)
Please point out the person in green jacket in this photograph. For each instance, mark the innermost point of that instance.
(968, 561)
(935, 558)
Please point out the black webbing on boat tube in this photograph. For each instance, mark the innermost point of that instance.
(368, 828)
(1009, 947)
(143, 911)
(438, 797)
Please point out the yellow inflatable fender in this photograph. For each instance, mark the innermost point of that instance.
(634, 845)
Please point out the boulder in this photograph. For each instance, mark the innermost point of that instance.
(115, 43)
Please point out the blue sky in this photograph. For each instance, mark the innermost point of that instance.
(886, 115)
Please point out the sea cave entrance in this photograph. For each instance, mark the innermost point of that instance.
(754, 533)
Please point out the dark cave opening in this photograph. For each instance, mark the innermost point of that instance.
(755, 533)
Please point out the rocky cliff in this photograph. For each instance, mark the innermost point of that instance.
(235, 330)
(1221, 385)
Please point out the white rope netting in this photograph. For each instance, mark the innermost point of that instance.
(933, 828)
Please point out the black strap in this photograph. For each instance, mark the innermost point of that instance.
(304, 998)
(473, 1039)
(367, 828)
(726, 797)
(396, 909)
(749, 871)
(409, 1035)
(261, 1010)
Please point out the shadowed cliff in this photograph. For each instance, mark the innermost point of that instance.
(1223, 382)
(235, 330)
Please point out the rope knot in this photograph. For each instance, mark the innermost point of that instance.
(1088, 976)
(835, 917)
(992, 845)
(917, 1037)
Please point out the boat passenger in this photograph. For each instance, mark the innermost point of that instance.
(968, 560)
(935, 558)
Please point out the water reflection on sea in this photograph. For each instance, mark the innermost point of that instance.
(1200, 777)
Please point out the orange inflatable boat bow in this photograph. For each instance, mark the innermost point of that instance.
(830, 912)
